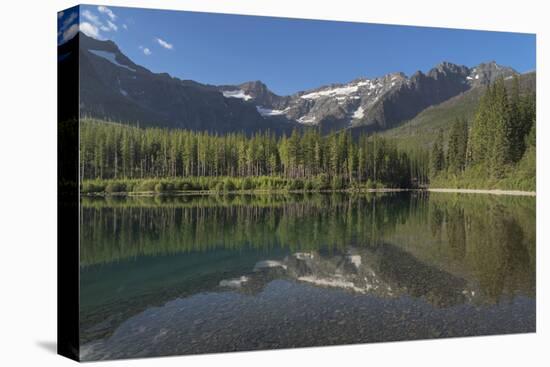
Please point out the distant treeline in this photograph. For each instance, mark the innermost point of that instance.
(115, 151)
(498, 147)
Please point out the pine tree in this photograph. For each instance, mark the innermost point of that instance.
(457, 145)
(516, 134)
(437, 156)
(480, 133)
(500, 153)
(351, 161)
(527, 113)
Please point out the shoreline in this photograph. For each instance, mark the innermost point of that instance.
(238, 192)
(484, 191)
(252, 192)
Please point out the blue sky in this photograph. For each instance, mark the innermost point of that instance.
(288, 54)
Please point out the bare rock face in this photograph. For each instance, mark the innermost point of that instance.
(486, 73)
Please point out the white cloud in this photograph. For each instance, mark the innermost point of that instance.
(91, 17)
(106, 10)
(125, 26)
(89, 29)
(68, 27)
(164, 44)
(106, 26)
(112, 26)
(70, 32)
(94, 19)
(68, 22)
(72, 17)
(145, 50)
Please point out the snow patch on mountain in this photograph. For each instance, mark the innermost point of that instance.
(237, 93)
(344, 90)
(111, 57)
(364, 83)
(359, 113)
(308, 120)
(269, 112)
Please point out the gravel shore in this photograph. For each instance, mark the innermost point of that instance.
(493, 192)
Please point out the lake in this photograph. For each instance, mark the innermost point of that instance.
(166, 275)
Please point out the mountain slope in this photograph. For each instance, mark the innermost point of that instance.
(112, 87)
(422, 130)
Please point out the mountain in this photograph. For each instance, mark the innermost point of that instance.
(423, 128)
(370, 104)
(113, 87)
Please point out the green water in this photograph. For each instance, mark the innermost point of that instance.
(197, 274)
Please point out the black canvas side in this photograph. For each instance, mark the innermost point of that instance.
(68, 197)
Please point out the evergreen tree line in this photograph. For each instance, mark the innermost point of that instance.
(114, 151)
(501, 134)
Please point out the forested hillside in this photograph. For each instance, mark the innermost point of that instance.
(422, 131)
(302, 160)
(497, 149)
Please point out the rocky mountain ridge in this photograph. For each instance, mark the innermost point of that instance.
(113, 87)
(379, 103)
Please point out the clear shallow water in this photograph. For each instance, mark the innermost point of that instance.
(200, 274)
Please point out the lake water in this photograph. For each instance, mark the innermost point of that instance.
(200, 274)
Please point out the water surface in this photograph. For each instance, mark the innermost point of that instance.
(198, 274)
